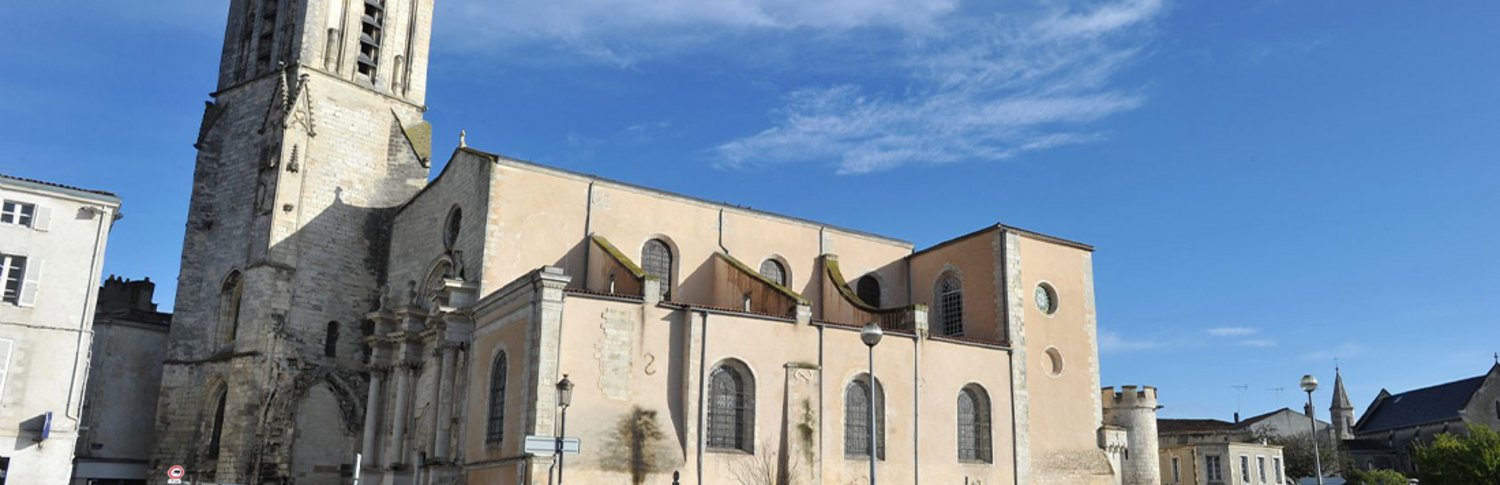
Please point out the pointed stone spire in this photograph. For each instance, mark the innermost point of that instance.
(1341, 411)
(1340, 397)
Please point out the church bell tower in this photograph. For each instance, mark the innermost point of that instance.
(1341, 412)
(312, 137)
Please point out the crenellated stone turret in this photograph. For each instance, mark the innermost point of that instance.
(1134, 409)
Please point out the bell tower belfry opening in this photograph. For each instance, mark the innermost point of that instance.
(312, 136)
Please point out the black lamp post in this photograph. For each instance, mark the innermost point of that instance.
(564, 398)
(1310, 384)
(871, 335)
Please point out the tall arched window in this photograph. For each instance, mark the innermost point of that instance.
(857, 418)
(731, 408)
(973, 424)
(656, 260)
(774, 271)
(216, 434)
(495, 427)
(331, 340)
(950, 300)
(868, 290)
(229, 308)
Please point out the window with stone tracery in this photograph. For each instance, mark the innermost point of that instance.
(973, 424)
(495, 427)
(731, 408)
(857, 404)
(950, 303)
(656, 261)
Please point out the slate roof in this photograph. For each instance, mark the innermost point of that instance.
(1427, 405)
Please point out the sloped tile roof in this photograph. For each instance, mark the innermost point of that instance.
(1427, 405)
(50, 184)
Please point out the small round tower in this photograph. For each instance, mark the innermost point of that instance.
(1134, 408)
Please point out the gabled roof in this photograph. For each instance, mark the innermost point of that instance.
(1422, 406)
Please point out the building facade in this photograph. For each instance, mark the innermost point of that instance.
(119, 433)
(52, 241)
(1281, 423)
(334, 303)
(1223, 464)
(1394, 424)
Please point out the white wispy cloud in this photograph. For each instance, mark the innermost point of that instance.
(1233, 331)
(624, 32)
(1113, 342)
(987, 91)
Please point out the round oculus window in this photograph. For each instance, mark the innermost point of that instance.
(1046, 299)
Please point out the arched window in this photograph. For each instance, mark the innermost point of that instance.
(452, 227)
(774, 271)
(950, 300)
(331, 340)
(868, 290)
(495, 427)
(857, 418)
(229, 308)
(656, 260)
(973, 424)
(216, 435)
(731, 408)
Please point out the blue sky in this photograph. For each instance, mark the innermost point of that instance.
(1270, 185)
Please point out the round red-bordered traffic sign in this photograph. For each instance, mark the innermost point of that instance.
(176, 471)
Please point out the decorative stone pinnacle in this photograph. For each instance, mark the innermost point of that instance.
(463, 136)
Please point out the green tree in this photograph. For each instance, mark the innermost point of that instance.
(1376, 477)
(1297, 449)
(1460, 460)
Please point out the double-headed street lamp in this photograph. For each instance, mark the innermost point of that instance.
(564, 398)
(871, 335)
(1310, 384)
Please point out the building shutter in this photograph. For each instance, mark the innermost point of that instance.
(42, 220)
(31, 283)
(5, 348)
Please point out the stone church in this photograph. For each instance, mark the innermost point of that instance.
(342, 313)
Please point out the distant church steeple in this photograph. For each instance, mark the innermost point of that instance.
(1341, 411)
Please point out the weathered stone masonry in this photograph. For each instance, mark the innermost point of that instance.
(302, 159)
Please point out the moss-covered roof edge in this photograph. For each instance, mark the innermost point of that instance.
(831, 265)
(763, 279)
(618, 256)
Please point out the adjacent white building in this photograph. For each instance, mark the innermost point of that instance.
(52, 240)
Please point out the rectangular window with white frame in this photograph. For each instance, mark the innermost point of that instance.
(14, 279)
(1260, 467)
(1176, 470)
(17, 213)
(25, 214)
(1280, 473)
(1244, 469)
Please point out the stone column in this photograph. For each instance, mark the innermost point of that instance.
(395, 450)
(442, 430)
(372, 415)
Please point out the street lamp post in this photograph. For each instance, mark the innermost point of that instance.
(564, 398)
(1310, 384)
(871, 335)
